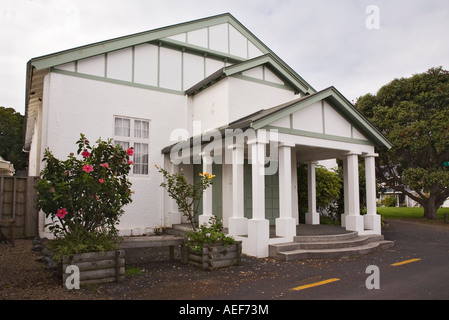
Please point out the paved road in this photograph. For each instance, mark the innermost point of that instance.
(422, 252)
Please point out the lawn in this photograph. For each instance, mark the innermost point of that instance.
(407, 213)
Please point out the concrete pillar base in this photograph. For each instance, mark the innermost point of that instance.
(204, 219)
(237, 226)
(312, 218)
(372, 222)
(354, 223)
(258, 237)
(286, 227)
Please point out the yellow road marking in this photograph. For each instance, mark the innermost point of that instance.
(315, 284)
(404, 262)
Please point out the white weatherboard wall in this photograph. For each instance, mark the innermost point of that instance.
(76, 105)
(147, 65)
(233, 98)
(246, 97)
(221, 38)
(210, 108)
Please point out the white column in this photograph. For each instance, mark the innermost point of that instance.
(312, 216)
(175, 215)
(345, 192)
(258, 226)
(237, 223)
(372, 220)
(353, 219)
(295, 206)
(207, 195)
(285, 224)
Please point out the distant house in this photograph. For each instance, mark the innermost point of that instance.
(205, 95)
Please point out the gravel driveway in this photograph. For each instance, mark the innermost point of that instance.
(22, 277)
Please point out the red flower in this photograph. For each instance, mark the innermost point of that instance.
(85, 153)
(61, 213)
(87, 168)
(130, 151)
(105, 165)
(130, 162)
(101, 180)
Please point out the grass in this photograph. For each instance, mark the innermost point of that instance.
(408, 213)
(132, 270)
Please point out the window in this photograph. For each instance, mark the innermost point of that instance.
(134, 133)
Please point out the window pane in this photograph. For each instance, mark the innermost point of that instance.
(141, 129)
(124, 144)
(140, 158)
(122, 127)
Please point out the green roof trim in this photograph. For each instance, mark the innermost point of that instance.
(337, 100)
(298, 84)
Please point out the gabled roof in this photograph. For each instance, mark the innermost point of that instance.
(264, 117)
(293, 80)
(163, 36)
(38, 67)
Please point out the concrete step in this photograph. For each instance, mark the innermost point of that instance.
(335, 252)
(328, 246)
(328, 238)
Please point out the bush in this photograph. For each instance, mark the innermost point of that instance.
(84, 197)
(389, 201)
(82, 241)
(207, 234)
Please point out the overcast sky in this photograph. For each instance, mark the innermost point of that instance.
(356, 46)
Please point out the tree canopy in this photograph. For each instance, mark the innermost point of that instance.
(11, 137)
(414, 114)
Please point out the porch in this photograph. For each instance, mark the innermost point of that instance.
(265, 148)
(316, 242)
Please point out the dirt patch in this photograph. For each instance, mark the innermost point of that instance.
(155, 277)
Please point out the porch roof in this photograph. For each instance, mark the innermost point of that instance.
(264, 117)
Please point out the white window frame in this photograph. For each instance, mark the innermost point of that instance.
(139, 169)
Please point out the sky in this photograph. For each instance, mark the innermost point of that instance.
(357, 46)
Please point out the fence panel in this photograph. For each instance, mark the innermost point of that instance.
(18, 202)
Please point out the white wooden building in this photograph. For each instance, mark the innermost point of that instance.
(153, 89)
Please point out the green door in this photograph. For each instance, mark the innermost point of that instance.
(271, 195)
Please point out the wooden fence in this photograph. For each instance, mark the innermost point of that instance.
(18, 203)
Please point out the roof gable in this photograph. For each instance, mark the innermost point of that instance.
(276, 72)
(221, 36)
(325, 114)
(231, 45)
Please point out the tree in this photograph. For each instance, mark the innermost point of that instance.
(11, 137)
(184, 193)
(414, 114)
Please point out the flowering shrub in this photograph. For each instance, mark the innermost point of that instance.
(184, 193)
(85, 195)
(207, 234)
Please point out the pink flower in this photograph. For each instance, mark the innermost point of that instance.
(130, 162)
(130, 151)
(85, 153)
(87, 168)
(105, 165)
(61, 213)
(101, 180)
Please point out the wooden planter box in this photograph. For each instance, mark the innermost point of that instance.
(97, 267)
(213, 256)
